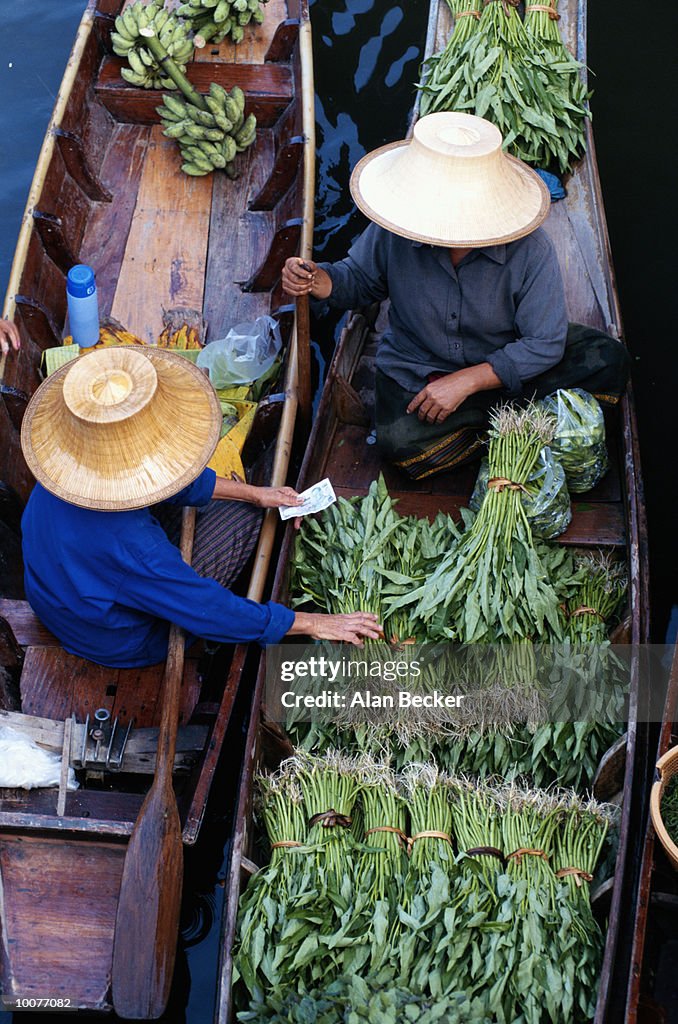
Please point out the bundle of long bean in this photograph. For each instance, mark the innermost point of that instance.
(496, 933)
(577, 848)
(521, 84)
(492, 585)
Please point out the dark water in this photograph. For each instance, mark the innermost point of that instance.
(367, 54)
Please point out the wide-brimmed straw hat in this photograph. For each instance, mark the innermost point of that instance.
(121, 428)
(451, 184)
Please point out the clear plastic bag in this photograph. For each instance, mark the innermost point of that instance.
(546, 500)
(25, 765)
(579, 441)
(244, 355)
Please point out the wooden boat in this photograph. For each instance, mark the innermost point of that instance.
(611, 516)
(108, 191)
(651, 984)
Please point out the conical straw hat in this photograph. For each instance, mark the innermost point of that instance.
(451, 184)
(120, 428)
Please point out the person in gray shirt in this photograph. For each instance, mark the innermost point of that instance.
(477, 307)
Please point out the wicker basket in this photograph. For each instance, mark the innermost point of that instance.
(667, 767)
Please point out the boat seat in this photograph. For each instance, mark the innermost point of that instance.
(55, 684)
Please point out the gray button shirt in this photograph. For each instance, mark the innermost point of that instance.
(503, 304)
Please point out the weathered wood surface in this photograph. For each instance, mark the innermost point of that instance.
(254, 47)
(55, 684)
(164, 260)
(268, 89)
(108, 228)
(59, 898)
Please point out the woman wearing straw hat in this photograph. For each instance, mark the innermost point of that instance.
(477, 306)
(107, 436)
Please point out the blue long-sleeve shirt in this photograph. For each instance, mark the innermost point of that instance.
(108, 584)
(502, 304)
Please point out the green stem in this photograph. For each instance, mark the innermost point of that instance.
(172, 71)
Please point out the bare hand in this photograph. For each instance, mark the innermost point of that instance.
(352, 628)
(304, 277)
(441, 397)
(275, 497)
(9, 335)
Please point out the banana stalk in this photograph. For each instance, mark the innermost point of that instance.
(171, 70)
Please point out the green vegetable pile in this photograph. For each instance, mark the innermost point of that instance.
(435, 891)
(519, 76)
(579, 439)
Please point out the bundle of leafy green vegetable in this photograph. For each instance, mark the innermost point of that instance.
(528, 87)
(488, 916)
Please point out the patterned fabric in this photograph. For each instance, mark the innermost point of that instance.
(593, 361)
(225, 535)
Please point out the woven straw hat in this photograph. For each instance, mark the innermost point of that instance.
(120, 428)
(451, 184)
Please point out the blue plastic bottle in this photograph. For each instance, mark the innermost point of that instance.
(83, 305)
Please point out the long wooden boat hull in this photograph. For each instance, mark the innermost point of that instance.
(108, 191)
(612, 517)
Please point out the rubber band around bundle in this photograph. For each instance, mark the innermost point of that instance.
(328, 819)
(585, 609)
(501, 483)
(468, 14)
(428, 834)
(289, 843)
(577, 873)
(485, 851)
(551, 11)
(525, 851)
(403, 838)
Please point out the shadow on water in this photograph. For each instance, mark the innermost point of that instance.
(366, 62)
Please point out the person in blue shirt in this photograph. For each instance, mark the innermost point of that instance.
(117, 439)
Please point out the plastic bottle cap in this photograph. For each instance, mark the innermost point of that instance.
(80, 281)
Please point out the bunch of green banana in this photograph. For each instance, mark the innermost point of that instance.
(127, 40)
(209, 138)
(216, 19)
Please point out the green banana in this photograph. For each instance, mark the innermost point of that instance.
(122, 29)
(222, 11)
(120, 44)
(237, 34)
(195, 131)
(247, 132)
(176, 106)
(194, 171)
(245, 18)
(229, 148)
(136, 62)
(175, 131)
(133, 77)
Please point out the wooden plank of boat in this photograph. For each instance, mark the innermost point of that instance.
(107, 191)
(651, 981)
(611, 518)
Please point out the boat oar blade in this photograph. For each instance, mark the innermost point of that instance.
(147, 923)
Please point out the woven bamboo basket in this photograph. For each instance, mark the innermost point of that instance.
(667, 767)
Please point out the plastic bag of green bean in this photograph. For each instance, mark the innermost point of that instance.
(579, 441)
(546, 500)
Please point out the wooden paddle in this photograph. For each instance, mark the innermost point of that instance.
(147, 921)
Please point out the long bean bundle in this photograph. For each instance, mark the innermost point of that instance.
(492, 585)
(500, 931)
